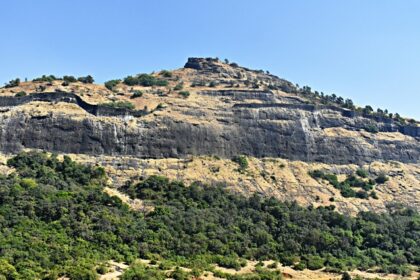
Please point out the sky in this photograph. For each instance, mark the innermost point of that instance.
(368, 51)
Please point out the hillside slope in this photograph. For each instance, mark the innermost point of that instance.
(209, 110)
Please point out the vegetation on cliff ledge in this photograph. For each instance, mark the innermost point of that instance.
(56, 220)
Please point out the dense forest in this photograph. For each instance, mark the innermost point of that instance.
(56, 220)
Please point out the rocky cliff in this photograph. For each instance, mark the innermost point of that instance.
(226, 119)
(207, 108)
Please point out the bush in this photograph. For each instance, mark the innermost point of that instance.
(242, 161)
(45, 78)
(20, 94)
(362, 172)
(165, 73)
(179, 86)
(145, 80)
(314, 262)
(69, 79)
(12, 83)
(86, 80)
(184, 94)
(372, 128)
(382, 178)
(346, 276)
(80, 273)
(119, 105)
(111, 84)
(136, 94)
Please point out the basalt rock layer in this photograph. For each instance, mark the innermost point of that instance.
(242, 111)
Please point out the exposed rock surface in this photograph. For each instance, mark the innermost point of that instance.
(213, 121)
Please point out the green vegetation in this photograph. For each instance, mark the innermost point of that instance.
(382, 178)
(111, 84)
(362, 173)
(136, 94)
(12, 83)
(242, 161)
(166, 74)
(45, 78)
(184, 93)
(56, 220)
(86, 80)
(372, 129)
(346, 187)
(69, 79)
(120, 105)
(179, 86)
(20, 94)
(145, 80)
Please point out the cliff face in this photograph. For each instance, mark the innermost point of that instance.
(263, 132)
(226, 119)
(207, 113)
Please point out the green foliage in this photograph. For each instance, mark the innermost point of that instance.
(136, 94)
(346, 187)
(45, 78)
(184, 94)
(139, 271)
(111, 84)
(207, 220)
(20, 94)
(362, 173)
(12, 83)
(65, 223)
(372, 128)
(179, 86)
(242, 161)
(382, 178)
(55, 218)
(69, 79)
(346, 276)
(166, 73)
(86, 79)
(119, 105)
(145, 80)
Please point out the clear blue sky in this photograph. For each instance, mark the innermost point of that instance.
(365, 50)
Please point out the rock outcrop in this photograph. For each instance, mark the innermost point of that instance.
(236, 119)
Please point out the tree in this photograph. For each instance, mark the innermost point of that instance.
(346, 276)
(111, 84)
(12, 83)
(86, 80)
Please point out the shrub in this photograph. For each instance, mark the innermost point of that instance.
(346, 276)
(69, 79)
(80, 273)
(136, 94)
(111, 84)
(45, 78)
(20, 94)
(12, 83)
(179, 86)
(28, 183)
(242, 161)
(362, 172)
(145, 80)
(86, 80)
(314, 262)
(166, 73)
(382, 178)
(372, 129)
(120, 105)
(184, 94)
